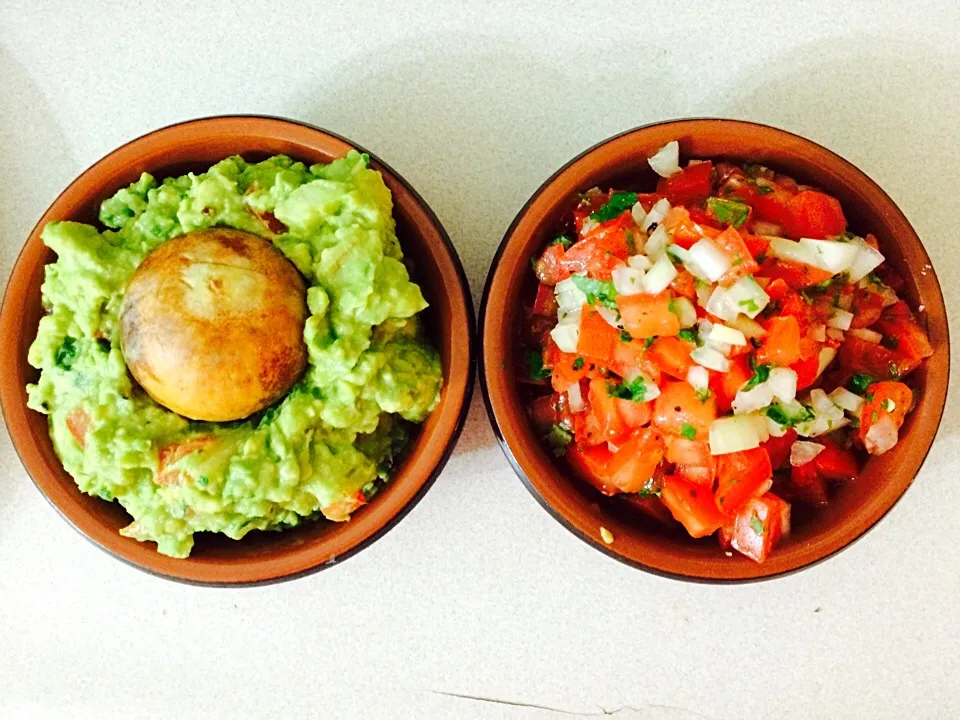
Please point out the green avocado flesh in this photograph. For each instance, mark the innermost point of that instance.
(323, 448)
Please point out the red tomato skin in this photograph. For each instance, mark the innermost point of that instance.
(590, 463)
(814, 214)
(678, 407)
(778, 448)
(768, 514)
(545, 304)
(598, 338)
(690, 186)
(636, 460)
(693, 506)
(548, 268)
(741, 476)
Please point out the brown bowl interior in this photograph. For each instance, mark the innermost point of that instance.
(621, 162)
(260, 556)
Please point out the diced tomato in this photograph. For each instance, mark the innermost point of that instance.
(759, 526)
(341, 510)
(741, 476)
(806, 369)
(636, 460)
(737, 185)
(548, 268)
(862, 356)
(646, 316)
(603, 422)
(773, 207)
(545, 302)
(590, 463)
(78, 423)
(601, 250)
(650, 506)
(677, 409)
(807, 485)
(814, 214)
(698, 474)
(743, 263)
(867, 308)
(543, 411)
(683, 230)
(565, 368)
(781, 344)
(170, 454)
(778, 448)
(630, 356)
(704, 220)
(885, 408)
(672, 355)
(757, 245)
(598, 338)
(835, 463)
(633, 414)
(687, 452)
(592, 202)
(796, 275)
(691, 505)
(899, 326)
(724, 386)
(690, 186)
(685, 285)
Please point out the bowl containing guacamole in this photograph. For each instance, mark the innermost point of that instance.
(242, 349)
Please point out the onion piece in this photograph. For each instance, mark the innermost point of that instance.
(656, 215)
(710, 358)
(698, 377)
(835, 334)
(712, 260)
(724, 334)
(659, 277)
(881, 436)
(791, 251)
(611, 316)
(737, 432)
(722, 305)
(638, 213)
(847, 400)
(866, 261)
(587, 226)
(566, 336)
(827, 355)
(747, 297)
(749, 327)
(639, 262)
(840, 319)
(666, 161)
(818, 332)
(866, 334)
(627, 280)
(833, 256)
(575, 396)
(685, 311)
(802, 452)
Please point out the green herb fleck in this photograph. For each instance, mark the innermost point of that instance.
(873, 416)
(625, 336)
(635, 390)
(703, 394)
(618, 203)
(67, 353)
(756, 524)
(597, 291)
(558, 438)
(778, 414)
(648, 342)
(578, 363)
(103, 344)
(535, 368)
(763, 189)
(860, 382)
(563, 241)
(750, 305)
(688, 334)
(203, 481)
(888, 405)
(760, 374)
(688, 431)
(651, 488)
(631, 243)
(732, 212)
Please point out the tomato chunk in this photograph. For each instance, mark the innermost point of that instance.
(834, 462)
(781, 345)
(899, 326)
(741, 476)
(545, 303)
(590, 463)
(693, 506)
(732, 243)
(647, 316)
(778, 448)
(78, 423)
(759, 525)
(690, 186)
(882, 415)
(814, 214)
(548, 267)
(796, 275)
(678, 410)
(636, 460)
(603, 422)
(672, 355)
(598, 338)
(631, 356)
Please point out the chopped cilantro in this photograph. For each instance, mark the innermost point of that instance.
(558, 438)
(651, 488)
(563, 241)
(860, 382)
(672, 305)
(631, 243)
(732, 212)
(888, 405)
(596, 291)
(756, 524)
(760, 374)
(535, 368)
(625, 336)
(750, 305)
(754, 170)
(688, 431)
(618, 203)
(869, 397)
(873, 416)
(67, 353)
(635, 389)
(703, 394)
(763, 189)
(648, 342)
(789, 416)
(203, 481)
(578, 363)
(688, 334)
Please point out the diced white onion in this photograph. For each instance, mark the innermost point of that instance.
(710, 358)
(881, 436)
(791, 251)
(820, 401)
(833, 256)
(840, 319)
(774, 428)
(569, 317)
(659, 277)
(710, 258)
(724, 334)
(678, 253)
(698, 377)
(657, 243)
(704, 291)
(783, 383)
(826, 357)
(747, 297)
(569, 296)
(721, 304)
(686, 312)
(566, 336)
(736, 433)
(656, 215)
(847, 400)
(612, 448)
(575, 396)
(866, 262)
(750, 328)
(611, 316)
(866, 334)
(639, 262)
(638, 213)
(587, 225)
(627, 280)
(827, 416)
(666, 161)
(818, 332)
(802, 452)
(748, 401)
(845, 301)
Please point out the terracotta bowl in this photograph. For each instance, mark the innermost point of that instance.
(261, 556)
(621, 162)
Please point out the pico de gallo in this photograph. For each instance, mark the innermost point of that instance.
(719, 349)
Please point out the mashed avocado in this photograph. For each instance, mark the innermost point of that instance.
(323, 448)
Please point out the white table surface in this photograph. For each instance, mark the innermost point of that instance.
(478, 592)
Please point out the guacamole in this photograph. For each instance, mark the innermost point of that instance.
(326, 446)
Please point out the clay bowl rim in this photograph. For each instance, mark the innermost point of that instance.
(7, 397)
(485, 370)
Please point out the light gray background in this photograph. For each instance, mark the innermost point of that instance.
(478, 591)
